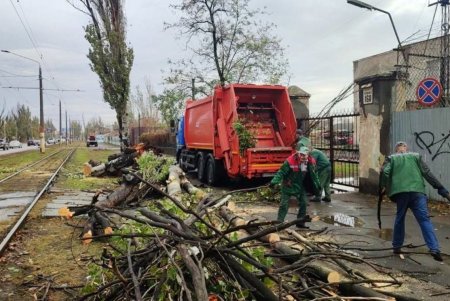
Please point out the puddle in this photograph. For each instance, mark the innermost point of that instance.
(385, 234)
(340, 219)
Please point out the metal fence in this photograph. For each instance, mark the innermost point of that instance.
(426, 132)
(337, 136)
(420, 60)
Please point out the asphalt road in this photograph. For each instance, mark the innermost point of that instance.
(24, 148)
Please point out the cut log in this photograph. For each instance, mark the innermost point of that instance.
(117, 197)
(173, 182)
(88, 231)
(196, 272)
(321, 269)
(334, 277)
(191, 189)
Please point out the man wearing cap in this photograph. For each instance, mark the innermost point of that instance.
(402, 177)
(292, 175)
(323, 169)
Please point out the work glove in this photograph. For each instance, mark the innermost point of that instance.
(444, 193)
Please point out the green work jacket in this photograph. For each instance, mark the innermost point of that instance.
(292, 180)
(405, 172)
(322, 161)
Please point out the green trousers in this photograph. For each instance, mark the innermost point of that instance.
(324, 178)
(284, 205)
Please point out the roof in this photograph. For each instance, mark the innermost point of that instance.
(295, 91)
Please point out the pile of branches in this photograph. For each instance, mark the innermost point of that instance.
(190, 246)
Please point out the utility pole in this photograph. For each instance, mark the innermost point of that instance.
(67, 136)
(67, 131)
(445, 51)
(41, 101)
(41, 115)
(60, 123)
(139, 126)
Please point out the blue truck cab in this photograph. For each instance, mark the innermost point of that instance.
(180, 137)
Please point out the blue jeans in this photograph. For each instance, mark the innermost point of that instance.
(417, 202)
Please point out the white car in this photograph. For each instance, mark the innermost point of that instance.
(51, 141)
(15, 144)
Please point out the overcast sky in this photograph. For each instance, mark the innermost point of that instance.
(322, 39)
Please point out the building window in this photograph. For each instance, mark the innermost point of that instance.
(367, 94)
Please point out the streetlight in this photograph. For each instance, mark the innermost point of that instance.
(41, 101)
(370, 7)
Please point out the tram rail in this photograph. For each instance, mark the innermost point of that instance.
(51, 164)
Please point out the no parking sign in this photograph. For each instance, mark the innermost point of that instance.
(429, 91)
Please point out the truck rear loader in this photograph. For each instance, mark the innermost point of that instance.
(211, 129)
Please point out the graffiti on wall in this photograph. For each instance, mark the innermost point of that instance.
(426, 140)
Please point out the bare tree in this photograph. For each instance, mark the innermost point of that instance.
(227, 38)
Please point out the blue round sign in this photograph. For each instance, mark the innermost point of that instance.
(429, 91)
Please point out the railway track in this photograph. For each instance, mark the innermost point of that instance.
(20, 191)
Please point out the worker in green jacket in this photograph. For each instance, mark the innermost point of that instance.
(323, 169)
(324, 174)
(402, 178)
(292, 176)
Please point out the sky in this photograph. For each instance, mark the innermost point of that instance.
(321, 41)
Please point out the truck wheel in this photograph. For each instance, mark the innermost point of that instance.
(201, 166)
(211, 175)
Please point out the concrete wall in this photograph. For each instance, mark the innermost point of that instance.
(394, 88)
(374, 126)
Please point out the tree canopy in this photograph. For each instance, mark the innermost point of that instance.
(227, 42)
(109, 54)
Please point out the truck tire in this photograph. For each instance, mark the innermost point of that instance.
(211, 171)
(201, 162)
(215, 171)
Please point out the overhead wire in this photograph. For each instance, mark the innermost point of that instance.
(29, 32)
(21, 95)
(327, 109)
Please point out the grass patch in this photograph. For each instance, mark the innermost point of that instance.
(345, 169)
(13, 162)
(72, 176)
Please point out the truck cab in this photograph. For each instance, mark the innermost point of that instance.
(91, 140)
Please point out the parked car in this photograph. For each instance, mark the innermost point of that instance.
(32, 142)
(4, 144)
(91, 141)
(15, 144)
(51, 141)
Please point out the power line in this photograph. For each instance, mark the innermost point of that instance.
(34, 88)
(33, 41)
(14, 74)
(24, 27)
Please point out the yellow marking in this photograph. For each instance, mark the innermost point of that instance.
(209, 147)
(270, 165)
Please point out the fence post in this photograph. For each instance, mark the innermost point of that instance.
(331, 131)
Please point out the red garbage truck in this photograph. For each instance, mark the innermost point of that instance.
(240, 131)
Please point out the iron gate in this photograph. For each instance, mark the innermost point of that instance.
(337, 136)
